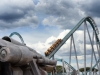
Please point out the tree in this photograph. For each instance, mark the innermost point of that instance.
(59, 69)
(88, 69)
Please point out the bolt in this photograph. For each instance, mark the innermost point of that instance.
(3, 53)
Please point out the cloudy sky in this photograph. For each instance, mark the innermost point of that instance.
(41, 22)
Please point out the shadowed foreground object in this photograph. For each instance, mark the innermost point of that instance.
(18, 59)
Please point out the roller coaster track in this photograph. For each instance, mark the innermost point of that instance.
(61, 60)
(94, 26)
(55, 47)
(20, 37)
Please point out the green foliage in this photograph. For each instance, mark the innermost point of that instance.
(82, 69)
(87, 69)
(59, 69)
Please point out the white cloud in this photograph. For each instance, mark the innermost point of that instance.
(50, 40)
(80, 57)
(41, 47)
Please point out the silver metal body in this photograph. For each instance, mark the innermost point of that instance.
(19, 55)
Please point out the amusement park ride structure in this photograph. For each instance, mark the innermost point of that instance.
(18, 59)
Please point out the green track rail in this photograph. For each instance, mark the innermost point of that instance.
(15, 33)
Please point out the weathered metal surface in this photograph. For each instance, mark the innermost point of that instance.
(21, 55)
(12, 41)
(17, 71)
(46, 61)
(18, 59)
(16, 54)
(34, 68)
(43, 72)
(48, 68)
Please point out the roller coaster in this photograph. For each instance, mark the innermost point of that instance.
(93, 42)
(90, 50)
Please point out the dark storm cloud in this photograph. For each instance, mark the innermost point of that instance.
(11, 16)
(57, 8)
(91, 7)
(16, 13)
(64, 13)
